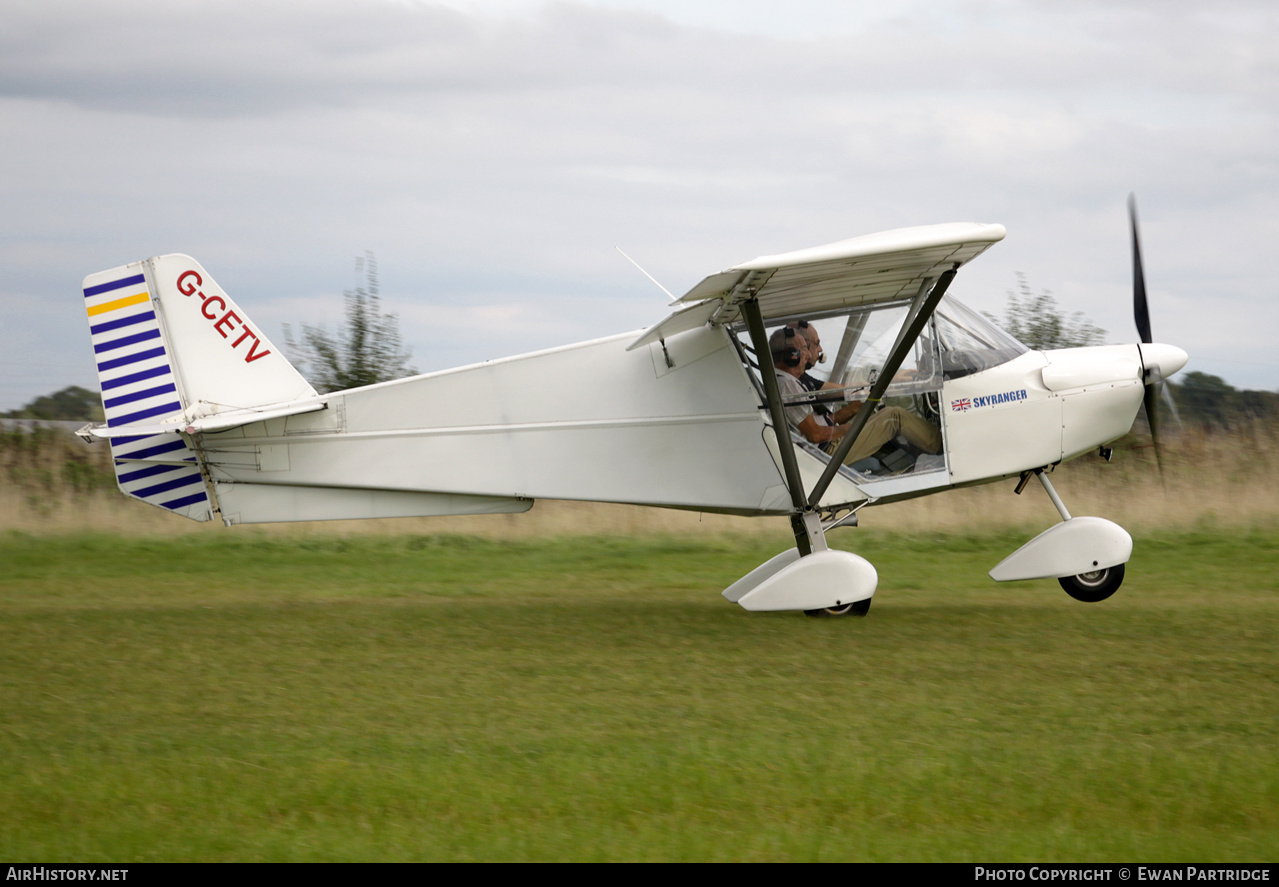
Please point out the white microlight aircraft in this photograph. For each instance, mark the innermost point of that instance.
(206, 417)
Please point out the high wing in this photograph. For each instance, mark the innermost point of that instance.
(915, 264)
(883, 267)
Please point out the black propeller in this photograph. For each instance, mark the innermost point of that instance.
(1141, 314)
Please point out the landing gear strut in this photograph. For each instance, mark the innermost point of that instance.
(1086, 555)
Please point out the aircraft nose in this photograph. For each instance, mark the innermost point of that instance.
(1169, 358)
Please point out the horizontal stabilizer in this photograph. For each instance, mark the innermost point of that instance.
(217, 422)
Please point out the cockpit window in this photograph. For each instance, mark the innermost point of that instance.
(850, 349)
(969, 343)
(843, 356)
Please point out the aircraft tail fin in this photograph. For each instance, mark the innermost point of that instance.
(175, 357)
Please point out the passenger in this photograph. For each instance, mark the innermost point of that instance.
(790, 355)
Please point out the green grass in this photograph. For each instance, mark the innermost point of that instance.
(239, 697)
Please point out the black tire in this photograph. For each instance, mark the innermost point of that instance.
(859, 608)
(1095, 586)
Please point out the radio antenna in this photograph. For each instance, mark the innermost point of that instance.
(645, 273)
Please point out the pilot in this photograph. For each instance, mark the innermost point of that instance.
(813, 344)
(791, 353)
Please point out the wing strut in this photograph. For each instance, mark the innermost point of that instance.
(781, 430)
(923, 309)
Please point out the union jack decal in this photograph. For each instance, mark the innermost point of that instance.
(960, 405)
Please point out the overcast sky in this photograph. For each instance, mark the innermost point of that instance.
(493, 153)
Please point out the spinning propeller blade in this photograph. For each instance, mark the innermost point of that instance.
(1141, 314)
(1151, 402)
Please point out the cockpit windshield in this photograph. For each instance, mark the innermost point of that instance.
(968, 342)
(956, 342)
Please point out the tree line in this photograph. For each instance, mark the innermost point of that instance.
(367, 349)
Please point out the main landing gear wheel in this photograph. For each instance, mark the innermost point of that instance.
(1095, 586)
(860, 608)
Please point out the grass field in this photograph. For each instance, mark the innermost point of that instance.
(256, 696)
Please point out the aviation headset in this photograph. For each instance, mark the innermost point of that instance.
(787, 355)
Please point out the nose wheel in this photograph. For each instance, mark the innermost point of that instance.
(1094, 546)
(1095, 586)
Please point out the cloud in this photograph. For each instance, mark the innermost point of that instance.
(494, 154)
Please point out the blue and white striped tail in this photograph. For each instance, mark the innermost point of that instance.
(139, 388)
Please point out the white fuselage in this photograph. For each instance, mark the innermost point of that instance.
(596, 422)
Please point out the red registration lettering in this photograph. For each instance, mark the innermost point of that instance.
(230, 318)
(204, 309)
(188, 284)
(185, 286)
(253, 349)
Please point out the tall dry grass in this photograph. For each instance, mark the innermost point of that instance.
(53, 483)
(1223, 478)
